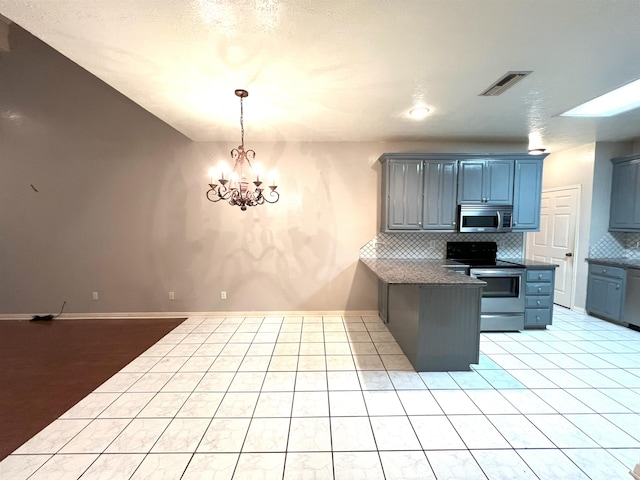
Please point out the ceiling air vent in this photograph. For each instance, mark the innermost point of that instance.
(508, 80)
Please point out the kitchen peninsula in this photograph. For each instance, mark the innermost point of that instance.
(432, 311)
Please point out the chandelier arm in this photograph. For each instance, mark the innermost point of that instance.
(272, 193)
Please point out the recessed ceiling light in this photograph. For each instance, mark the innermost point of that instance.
(616, 101)
(419, 113)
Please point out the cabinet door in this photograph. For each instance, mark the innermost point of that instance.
(632, 298)
(625, 196)
(440, 195)
(471, 179)
(527, 192)
(499, 182)
(604, 297)
(404, 200)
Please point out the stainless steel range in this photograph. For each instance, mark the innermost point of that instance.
(503, 297)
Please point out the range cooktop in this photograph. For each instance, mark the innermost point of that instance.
(478, 255)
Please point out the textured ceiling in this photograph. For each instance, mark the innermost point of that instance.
(350, 70)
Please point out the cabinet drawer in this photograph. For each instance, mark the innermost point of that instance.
(537, 302)
(537, 316)
(606, 271)
(539, 275)
(538, 289)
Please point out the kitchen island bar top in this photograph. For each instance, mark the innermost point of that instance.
(419, 272)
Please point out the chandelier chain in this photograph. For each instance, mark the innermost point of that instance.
(242, 123)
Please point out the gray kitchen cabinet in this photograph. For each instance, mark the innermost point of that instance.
(404, 194)
(624, 215)
(383, 300)
(527, 193)
(538, 307)
(632, 298)
(606, 291)
(486, 182)
(439, 210)
(419, 193)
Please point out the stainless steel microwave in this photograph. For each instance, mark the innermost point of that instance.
(485, 218)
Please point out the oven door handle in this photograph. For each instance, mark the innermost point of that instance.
(494, 273)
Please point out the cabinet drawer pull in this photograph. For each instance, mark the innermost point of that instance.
(604, 270)
(539, 276)
(538, 302)
(539, 289)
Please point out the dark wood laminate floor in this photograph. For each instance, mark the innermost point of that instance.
(47, 367)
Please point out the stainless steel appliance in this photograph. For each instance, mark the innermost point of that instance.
(485, 218)
(502, 305)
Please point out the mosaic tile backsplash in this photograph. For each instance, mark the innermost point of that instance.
(616, 245)
(434, 245)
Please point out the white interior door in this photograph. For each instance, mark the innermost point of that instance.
(556, 240)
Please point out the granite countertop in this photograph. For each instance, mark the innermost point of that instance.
(532, 264)
(421, 272)
(616, 262)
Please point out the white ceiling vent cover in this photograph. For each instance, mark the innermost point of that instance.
(505, 82)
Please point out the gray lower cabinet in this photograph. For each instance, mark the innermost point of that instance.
(383, 300)
(539, 286)
(606, 291)
(437, 327)
(632, 298)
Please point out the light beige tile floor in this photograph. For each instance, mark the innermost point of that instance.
(335, 398)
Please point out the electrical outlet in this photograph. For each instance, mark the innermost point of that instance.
(172, 295)
(432, 244)
(223, 295)
(95, 295)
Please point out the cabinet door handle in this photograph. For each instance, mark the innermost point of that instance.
(538, 302)
(617, 287)
(539, 276)
(539, 289)
(604, 270)
(569, 254)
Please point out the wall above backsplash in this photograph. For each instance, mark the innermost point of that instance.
(617, 245)
(434, 245)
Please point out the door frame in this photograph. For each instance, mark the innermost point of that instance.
(574, 273)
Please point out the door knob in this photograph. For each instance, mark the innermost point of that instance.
(568, 254)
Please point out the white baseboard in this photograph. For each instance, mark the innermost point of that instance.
(143, 315)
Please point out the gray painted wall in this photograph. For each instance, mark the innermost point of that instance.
(120, 207)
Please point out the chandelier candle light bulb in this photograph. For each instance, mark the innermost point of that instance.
(238, 192)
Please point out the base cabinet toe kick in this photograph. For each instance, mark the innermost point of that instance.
(437, 327)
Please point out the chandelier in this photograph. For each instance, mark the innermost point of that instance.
(235, 189)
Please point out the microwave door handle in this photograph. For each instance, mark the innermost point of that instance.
(499, 226)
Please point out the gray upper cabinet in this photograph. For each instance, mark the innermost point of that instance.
(405, 194)
(419, 193)
(625, 195)
(486, 182)
(527, 190)
(440, 177)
